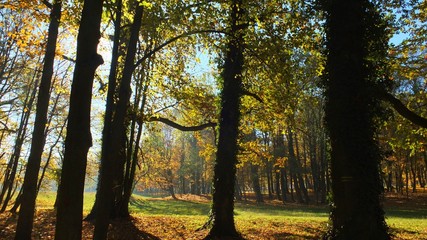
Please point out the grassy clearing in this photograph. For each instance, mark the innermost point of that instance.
(406, 220)
(165, 218)
(46, 200)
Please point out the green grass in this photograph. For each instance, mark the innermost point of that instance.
(406, 221)
(158, 207)
(412, 220)
(46, 200)
(402, 220)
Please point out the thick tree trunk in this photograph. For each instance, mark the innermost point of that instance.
(356, 183)
(29, 193)
(226, 156)
(79, 140)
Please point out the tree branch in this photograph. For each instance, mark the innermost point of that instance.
(68, 58)
(403, 110)
(180, 127)
(47, 3)
(250, 94)
(187, 34)
(7, 102)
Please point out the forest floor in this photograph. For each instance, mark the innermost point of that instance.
(169, 219)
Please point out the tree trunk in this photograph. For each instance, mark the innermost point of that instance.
(279, 154)
(78, 139)
(109, 105)
(283, 184)
(29, 193)
(9, 181)
(269, 174)
(255, 183)
(112, 168)
(226, 156)
(300, 173)
(324, 171)
(296, 169)
(413, 167)
(350, 108)
(277, 184)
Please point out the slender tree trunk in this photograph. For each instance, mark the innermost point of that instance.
(255, 183)
(295, 168)
(269, 174)
(109, 105)
(10, 175)
(413, 167)
(29, 193)
(238, 190)
(49, 157)
(277, 184)
(315, 169)
(78, 139)
(324, 171)
(109, 175)
(300, 172)
(279, 154)
(407, 181)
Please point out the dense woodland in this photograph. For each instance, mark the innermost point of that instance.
(301, 101)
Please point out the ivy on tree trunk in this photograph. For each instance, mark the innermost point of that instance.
(351, 109)
(226, 156)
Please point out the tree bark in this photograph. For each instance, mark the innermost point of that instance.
(111, 92)
(295, 169)
(350, 108)
(12, 167)
(78, 139)
(226, 156)
(255, 183)
(29, 193)
(112, 167)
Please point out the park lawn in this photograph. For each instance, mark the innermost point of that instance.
(165, 218)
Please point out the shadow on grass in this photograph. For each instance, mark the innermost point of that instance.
(395, 231)
(290, 232)
(169, 207)
(406, 213)
(44, 228)
(125, 229)
(283, 210)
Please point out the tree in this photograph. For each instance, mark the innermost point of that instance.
(78, 139)
(111, 172)
(226, 156)
(29, 193)
(354, 42)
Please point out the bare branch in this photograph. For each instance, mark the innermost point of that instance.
(250, 94)
(7, 102)
(47, 3)
(68, 58)
(403, 110)
(181, 127)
